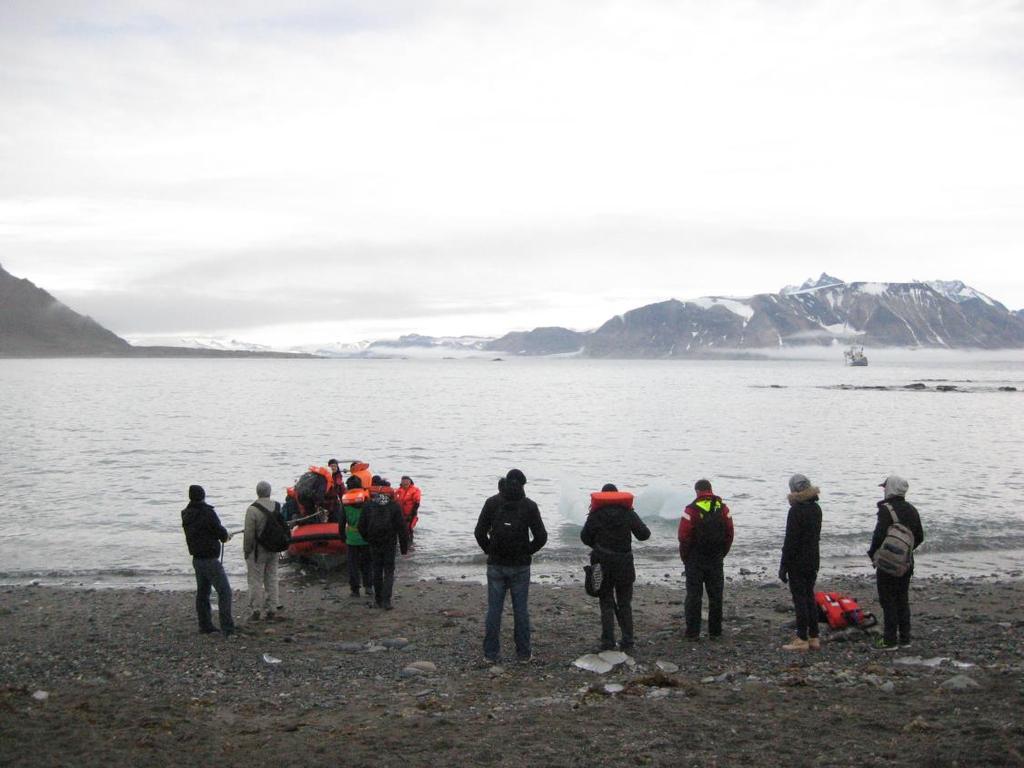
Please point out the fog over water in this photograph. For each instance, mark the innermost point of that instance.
(99, 453)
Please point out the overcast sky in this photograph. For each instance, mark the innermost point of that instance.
(289, 172)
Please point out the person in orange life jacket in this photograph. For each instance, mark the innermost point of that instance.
(705, 537)
(408, 497)
(361, 470)
(383, 527)
(894, 591)
(800, 560)
(360, 568)
(204, 535)
(608, 531)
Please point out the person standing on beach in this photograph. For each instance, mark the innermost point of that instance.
(894, 591)
(504, 530)
(705, 537)
(383, 527)
(260, 562)
(800, 560)
(611, 524)
(204, 535)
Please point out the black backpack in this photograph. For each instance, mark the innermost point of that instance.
(709, 535)
(276, 535)
(509, 532)
(378, 520)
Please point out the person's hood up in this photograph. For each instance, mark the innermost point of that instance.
(810, 493)
(196, 493)
(895, 485)
(512, 490)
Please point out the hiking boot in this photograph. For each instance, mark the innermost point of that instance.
(881, 644)
(626, 647)
(354, 593)
(255, 616)
(692, 638)
(796, 644)
(905, 644)
(208, 630)
(388, 607)
(813, 644)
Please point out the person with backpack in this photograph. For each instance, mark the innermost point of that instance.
(360, 567)
(611, 525)
(265, 535)
(204, 535)
(705, 537)
(382, 526)
(801, 559)
(898, 533)
(510, 531)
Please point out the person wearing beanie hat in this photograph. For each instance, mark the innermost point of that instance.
(204, 535)
(260, 562)
(705, 537)
(510, 531)
(894, 591)
(800, 560)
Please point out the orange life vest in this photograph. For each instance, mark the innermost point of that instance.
(600, 499)
(355, 496)
(361, 470)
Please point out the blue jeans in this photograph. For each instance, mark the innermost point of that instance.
(502, 579)
(210, 573)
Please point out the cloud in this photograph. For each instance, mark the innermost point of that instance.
(527, 156)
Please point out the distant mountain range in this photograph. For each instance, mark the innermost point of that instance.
(826, 311)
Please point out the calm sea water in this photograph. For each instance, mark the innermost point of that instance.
(98, 454)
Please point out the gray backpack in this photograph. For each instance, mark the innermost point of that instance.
(896, 554)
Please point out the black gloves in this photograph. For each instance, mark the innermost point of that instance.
(783, 574)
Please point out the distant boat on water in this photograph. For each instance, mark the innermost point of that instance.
(855, 356)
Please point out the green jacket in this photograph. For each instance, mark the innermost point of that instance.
(352, 535)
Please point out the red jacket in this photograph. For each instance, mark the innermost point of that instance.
(408, 499)
(693, 513)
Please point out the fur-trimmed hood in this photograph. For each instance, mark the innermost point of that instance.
(807, 494)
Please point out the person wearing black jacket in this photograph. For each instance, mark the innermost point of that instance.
(503, 530)
(800, 560)
(894, 591)
(204, 535)
(609, 531)
(382, 526)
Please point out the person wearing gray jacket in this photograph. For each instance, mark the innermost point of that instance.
(260, 562)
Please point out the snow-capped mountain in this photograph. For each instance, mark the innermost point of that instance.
(940, 314)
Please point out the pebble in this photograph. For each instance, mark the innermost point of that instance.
(960, 683)
(349, 647)
(41, 695)
(667, 667)
(395, 643)
(614, 688)
(427, 667)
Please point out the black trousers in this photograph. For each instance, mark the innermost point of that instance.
(616, 598)
(801, 586)
(894, 597)
(701, 575)
(359, 572)
(383, 567)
